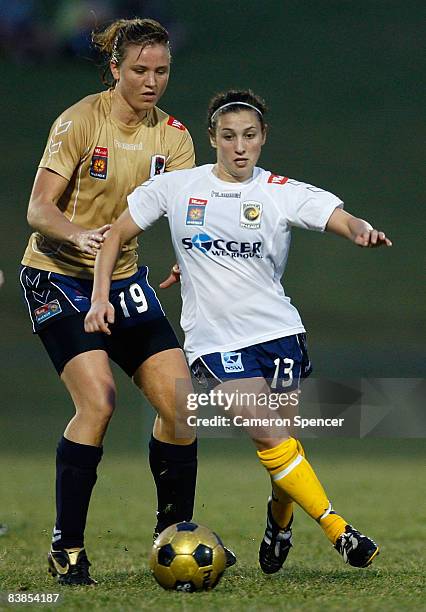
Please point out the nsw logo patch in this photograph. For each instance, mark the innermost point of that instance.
(99, 163)
(232, 362)
(42, 313)
(196, 211)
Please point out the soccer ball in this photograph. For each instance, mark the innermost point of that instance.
(188, 557)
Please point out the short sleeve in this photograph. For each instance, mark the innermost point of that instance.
(309, 207)
(148, 202)
(66, 145)
(182, 155)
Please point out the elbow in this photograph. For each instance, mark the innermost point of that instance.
(31, 218)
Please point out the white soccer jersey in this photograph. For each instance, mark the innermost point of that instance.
(231, 242)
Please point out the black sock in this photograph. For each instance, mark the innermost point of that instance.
(75, 478)
(174, 468)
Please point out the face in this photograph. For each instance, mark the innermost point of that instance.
(142, 76)
(238, 141)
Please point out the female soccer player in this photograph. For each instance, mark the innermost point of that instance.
(230, 224)
(97, 152)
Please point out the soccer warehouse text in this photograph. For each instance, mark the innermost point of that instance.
(223, 248)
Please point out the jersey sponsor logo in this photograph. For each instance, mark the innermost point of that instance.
(226, 194)
(42, 313)
(219, 247)
(99, 163)
(101, 151)
(128, 146)
(277, 179)
(251, 214)
(231, 362)
(176, 124)
(196, 211)
(158, 165)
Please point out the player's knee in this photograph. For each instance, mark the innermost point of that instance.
(99, 404)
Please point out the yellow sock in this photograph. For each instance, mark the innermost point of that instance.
(282, 507)
(292, 474)
(282, 504)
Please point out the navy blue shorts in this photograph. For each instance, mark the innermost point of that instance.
(50, 296)
(57, 305)
(283, 362)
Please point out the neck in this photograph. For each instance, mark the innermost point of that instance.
(122, 111)
(222, 174)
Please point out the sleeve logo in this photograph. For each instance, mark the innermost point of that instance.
(176, 124)
(277, 179)
(60, 128)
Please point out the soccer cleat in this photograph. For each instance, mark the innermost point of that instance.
(355, 548)
(275, 545)
(70, 566)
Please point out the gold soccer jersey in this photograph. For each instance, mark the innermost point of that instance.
(104, 160)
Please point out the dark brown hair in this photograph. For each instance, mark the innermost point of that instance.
(232, 97)
(113, 41)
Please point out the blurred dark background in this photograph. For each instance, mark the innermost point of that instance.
(343, 81)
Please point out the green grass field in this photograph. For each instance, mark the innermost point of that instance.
(375, 484)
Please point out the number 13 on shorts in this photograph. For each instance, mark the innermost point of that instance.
(286, 378)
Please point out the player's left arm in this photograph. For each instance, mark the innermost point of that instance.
(357, 230)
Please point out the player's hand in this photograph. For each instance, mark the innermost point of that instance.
(90, 241)
(173, 278)
(100, 316)
(372, 238)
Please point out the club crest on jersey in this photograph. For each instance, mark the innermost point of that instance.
(42, 313)
(231, 362)
(251, 214)
(158, 165)
(196, 211)
(99, 163)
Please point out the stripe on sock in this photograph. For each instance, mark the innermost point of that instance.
(326, 513)
(288, 469)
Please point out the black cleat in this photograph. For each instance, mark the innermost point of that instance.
(355, 548)
(275, 545)
(70, 566)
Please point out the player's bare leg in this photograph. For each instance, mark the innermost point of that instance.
(165, 381)
(173, 461)
(89, 381)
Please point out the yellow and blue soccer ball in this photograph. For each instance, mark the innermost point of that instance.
(188, 557)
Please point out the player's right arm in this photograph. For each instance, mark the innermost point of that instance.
(45, 217)
(101, 313)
